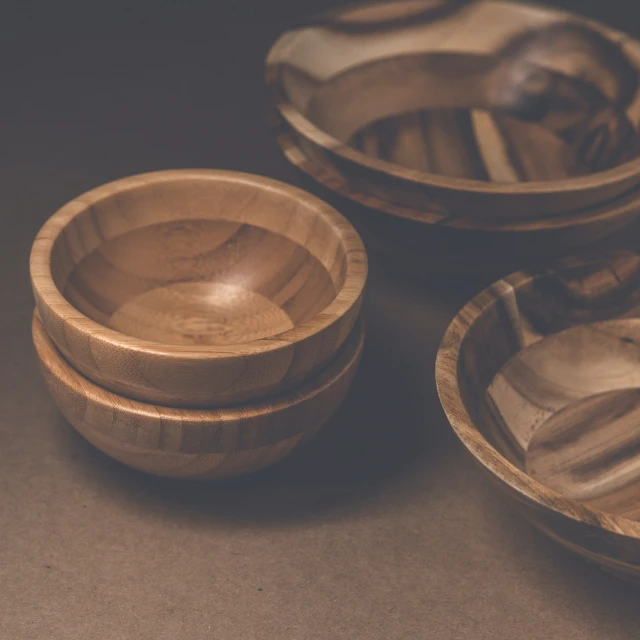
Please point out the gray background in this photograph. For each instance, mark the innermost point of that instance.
(382, 528)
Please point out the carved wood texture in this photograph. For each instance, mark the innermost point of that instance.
(482, 109)
(540, 378)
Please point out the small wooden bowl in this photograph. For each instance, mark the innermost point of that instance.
(192, 443)
(465, 111)
(539, 376)
(198, 288)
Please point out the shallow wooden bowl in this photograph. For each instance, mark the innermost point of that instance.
(463, 111)
(539, 376)
(197, 443)
(421, 249)
(198, 288)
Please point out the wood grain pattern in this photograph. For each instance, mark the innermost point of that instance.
(590, 451)
(416, 243)
(539, 378)
(210, 282)
(198, 288)
(459, 108)
(197, 443)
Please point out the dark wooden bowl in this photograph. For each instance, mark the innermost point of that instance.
(421, 249)
(198, 288)
(539, 376)
(197, 443)
(465, 111)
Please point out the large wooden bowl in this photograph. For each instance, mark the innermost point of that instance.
(197, 443)
(198, 288)
(539, 376)
(460, 112)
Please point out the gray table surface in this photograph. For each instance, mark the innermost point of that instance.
(381, 529)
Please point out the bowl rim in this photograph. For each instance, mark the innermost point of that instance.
(45, 288)
(489, 458)
(437, 7)
(347, 357)
(307, 129)
(626, 203)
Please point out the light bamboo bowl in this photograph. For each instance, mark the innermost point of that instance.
(197, 443)
(198, 288)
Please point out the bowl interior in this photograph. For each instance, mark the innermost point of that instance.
(487, 91)
(200, 262)
(549, 372)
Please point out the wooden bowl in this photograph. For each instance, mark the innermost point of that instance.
(198, 288)
(539, 376)
(465, 111)
(423, 250)
(197, 443)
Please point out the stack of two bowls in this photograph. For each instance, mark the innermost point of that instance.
(469, 135)
(198, 323)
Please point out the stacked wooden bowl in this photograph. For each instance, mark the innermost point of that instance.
(470, 135)
(198, 323)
